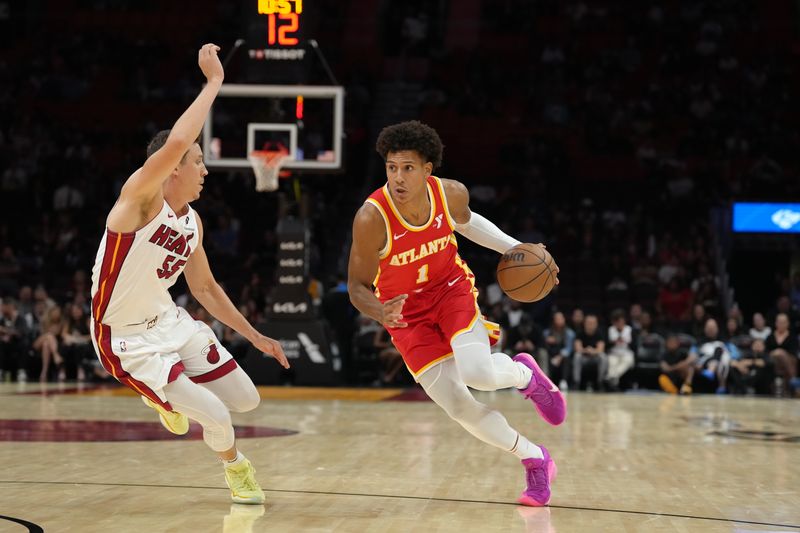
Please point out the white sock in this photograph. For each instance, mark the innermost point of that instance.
(525, 449)
(235, 461)
(525, 375)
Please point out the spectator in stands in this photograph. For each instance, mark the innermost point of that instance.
(784, 305)
(782, 348)
(25, 305)
(14, 342)
(752, 372)
(40, 296)
(699, 318)
(677, 367)
(527, 337)
(576, 320)
(76, 342)
(67, 196)
(559, 342)
(513, 315)
(675, 303)
(47, 344)
(703, 276)
(669, 270)
(635, 315)
(620, 352)
(760, 329)
(589, 354)
(733, 328)
(713, 357)
(646, 325)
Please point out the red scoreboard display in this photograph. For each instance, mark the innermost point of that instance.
(280, 25)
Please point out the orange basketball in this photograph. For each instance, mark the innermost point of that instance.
(527, 272)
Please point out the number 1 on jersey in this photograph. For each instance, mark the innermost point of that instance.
(423, 274)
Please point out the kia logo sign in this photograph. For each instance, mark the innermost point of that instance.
(289, 308)
(291, 262)
(751, 217)
(290, 280)
(785, 218)
(292, 245)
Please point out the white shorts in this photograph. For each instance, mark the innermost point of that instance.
(147, 356)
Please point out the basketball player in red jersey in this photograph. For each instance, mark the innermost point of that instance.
(141, 337)
(425, 296)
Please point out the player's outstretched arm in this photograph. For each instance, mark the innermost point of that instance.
(369, 237)
(471, 225)
(210, 295)
(146, 182)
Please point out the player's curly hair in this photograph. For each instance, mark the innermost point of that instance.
(411, 135)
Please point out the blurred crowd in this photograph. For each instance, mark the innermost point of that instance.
(606, 130)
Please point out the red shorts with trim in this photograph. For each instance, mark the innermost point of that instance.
(434, 317)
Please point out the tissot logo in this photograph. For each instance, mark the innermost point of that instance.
(292, 245)
(291, 262)
(785, 218)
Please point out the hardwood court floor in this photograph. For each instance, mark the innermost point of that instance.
(360, 464)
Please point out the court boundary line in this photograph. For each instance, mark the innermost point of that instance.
(407, 497)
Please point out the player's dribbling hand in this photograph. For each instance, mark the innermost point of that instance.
(393, 312)
(271, 347)
(209, 63)
(557, 269)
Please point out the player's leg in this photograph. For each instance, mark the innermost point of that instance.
(483, 370)
(444, 385)
(202, 405)
(236, 390)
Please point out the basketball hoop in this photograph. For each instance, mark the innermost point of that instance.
(267, 167)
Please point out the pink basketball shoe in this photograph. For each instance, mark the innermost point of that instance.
(549, 401)
(539, 473)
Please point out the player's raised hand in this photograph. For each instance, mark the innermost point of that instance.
(271, 347)
(393, 312)
(209, 62)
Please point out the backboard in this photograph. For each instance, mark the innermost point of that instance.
(308, 120)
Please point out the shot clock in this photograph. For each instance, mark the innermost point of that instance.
(280, 25)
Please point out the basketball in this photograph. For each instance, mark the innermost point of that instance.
(527, 272)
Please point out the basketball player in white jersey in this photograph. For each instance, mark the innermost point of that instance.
(142, 338)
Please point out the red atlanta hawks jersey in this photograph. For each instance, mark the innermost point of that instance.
(417, 258)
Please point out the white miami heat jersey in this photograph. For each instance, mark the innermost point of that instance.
(133, 271)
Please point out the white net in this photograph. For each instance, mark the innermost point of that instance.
(267, 167)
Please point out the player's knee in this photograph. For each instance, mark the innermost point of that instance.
(461, 407)
(219, 417)
(248, 400)
(479, 377)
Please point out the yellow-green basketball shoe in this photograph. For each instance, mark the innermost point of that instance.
(241, 479)
(174, 422)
